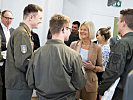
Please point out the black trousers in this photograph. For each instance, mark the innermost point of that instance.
(2, 71)
(99, 76)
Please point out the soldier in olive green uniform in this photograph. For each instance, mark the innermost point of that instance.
(19, 52)
(121, 57)
(55, 70)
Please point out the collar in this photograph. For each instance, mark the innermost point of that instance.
(119, 37)
(128, 34)
(26, 28)
(4, 27)
(54, 41)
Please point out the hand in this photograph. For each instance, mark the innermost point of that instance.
(100, 97)
(88, 65)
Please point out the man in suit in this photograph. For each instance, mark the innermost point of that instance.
(114, 40)
(5, 31)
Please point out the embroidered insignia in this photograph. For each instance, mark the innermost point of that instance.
(117, 38)
(23, 48)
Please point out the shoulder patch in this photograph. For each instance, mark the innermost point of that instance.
(23, 48)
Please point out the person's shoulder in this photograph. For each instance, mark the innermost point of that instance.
(74, 42)
(94, 45)
(113, 38)
(70, 51)
(0, 26)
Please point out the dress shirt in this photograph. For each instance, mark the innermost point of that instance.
(6, 32)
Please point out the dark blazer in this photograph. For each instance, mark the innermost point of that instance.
(36, 40)
(3, 38)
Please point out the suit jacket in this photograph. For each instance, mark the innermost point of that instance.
(95, 56)
(35, 40)
(113, 41)
(3, 48)
(3, 38)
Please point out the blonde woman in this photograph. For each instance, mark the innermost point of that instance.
(92, 59)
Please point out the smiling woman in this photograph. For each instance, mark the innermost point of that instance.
(92, 60)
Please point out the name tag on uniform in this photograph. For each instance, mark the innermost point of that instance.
(23, 48)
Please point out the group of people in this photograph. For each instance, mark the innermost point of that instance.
(57, 71)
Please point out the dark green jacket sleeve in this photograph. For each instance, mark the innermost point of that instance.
(112, 42)
(30, 74)
(79, 78)
(21, 55)
(114, 68)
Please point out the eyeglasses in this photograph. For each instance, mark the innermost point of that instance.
(69, 29)
(8, 18)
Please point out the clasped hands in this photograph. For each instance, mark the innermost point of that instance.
(88, 65)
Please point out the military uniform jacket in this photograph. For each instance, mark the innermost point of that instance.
(120, 63)
(19, 50)
(113, 41)
(95, 56)
(55, 71)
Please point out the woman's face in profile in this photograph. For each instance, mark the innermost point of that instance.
(84, 32)
(99, 37)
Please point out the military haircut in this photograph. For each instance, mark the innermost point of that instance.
(127, 17)
(91, 28)
(105, 32)
(57, 22)
(31, 8)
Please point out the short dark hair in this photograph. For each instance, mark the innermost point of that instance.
(31, 8)
(3, 12)
(127, 17)
(76, 22)
(57, 22)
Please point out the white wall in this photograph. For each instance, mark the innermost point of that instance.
(94, 10)
(82, 10)
(49, 8)
(91, 10)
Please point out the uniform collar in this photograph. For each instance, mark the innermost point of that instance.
(128, 34)
(54, 41)
(25, 27)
